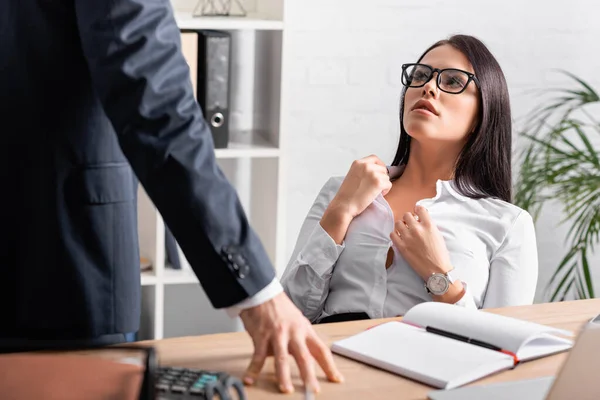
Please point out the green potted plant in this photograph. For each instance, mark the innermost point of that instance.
(560, 164)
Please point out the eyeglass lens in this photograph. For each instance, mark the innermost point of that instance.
(450, 80)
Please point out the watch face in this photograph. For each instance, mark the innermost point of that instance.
(438, 284)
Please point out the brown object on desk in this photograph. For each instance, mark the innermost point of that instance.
(26, 376)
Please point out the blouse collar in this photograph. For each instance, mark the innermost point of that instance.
(394, 172)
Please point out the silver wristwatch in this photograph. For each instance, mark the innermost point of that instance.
(438, 284)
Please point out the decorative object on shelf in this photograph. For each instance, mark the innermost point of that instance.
(145, 264)
(219, 8)
(560, 165)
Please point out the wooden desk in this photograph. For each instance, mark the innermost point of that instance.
(232, 352)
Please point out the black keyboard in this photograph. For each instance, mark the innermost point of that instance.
(176, 383)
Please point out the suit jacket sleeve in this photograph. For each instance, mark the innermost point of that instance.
(134, 55)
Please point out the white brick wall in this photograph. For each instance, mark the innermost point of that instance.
(342, 81)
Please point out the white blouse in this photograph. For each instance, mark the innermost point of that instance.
(492, 246)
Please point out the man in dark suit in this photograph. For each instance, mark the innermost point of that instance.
(94, 96)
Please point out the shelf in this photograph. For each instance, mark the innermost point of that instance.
(186, 21)
(179, 276)
(170, 277)
(148, 278)
(248, 144)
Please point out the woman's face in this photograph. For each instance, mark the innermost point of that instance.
(454, 116)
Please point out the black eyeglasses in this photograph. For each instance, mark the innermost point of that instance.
(449, 80)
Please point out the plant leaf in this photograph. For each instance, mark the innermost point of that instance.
(593, 95)
(586, 273)
(566, 278)
(572, 252)
(592, 154)
(580, 288)
(560, 164)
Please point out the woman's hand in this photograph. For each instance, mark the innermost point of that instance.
(366, 179)
(421, 244)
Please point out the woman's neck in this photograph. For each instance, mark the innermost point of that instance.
(426, 166)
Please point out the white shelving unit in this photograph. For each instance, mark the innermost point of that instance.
(252, 162)
(248, 144)
(254, 21)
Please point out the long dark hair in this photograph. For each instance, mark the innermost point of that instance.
(483, 168)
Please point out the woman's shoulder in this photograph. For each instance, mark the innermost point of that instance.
(334, 182)
(332, 185)
(505, 210)
(490, 205)
(329, 188)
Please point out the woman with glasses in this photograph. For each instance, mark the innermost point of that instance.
(435, 225)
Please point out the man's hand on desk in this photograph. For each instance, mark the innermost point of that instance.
(279, 329)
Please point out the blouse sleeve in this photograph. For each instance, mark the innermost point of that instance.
(514, 267)
(308, 273)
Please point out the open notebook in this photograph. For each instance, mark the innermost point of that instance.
(447, 346)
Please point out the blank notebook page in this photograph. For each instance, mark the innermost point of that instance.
(417, 354)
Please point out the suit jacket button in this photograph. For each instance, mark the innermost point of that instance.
(235, 261)
(242, 266)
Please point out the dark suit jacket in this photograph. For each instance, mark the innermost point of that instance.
(94, 95)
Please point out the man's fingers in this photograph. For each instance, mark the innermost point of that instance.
(256, 364)
(282, 366)
(324, 358)
(305, 363)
